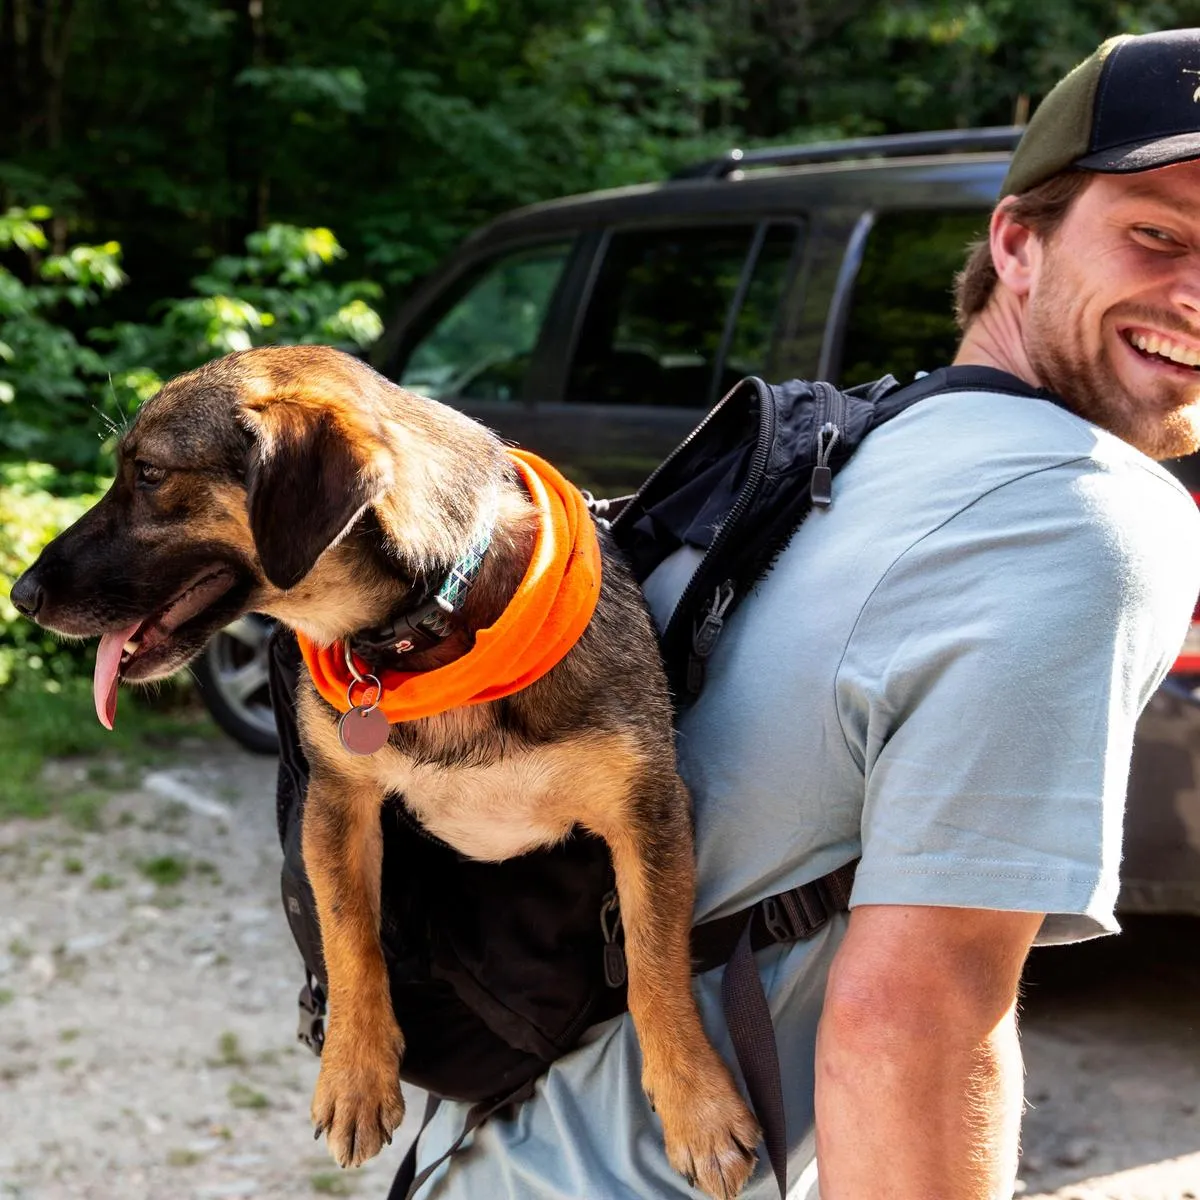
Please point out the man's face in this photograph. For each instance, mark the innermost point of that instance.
(1113, 317)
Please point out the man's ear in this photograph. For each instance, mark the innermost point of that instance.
(1016, 249)
(307, 483)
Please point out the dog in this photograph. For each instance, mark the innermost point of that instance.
(298, 482)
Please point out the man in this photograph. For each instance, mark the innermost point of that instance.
(942, 674)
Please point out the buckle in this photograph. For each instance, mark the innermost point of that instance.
(311, 1027)
(423, 628)
(795, 915)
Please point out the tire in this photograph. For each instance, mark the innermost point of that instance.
(232, 677)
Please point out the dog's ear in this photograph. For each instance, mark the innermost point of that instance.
(308, 481)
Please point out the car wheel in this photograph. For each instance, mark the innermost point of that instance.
(232, 677)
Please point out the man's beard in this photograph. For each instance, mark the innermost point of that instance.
(1162, 422)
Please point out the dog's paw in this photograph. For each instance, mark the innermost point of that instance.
(710, 1136)
(358, 1103)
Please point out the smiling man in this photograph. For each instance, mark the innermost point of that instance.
(996, 750)
(1089, 285)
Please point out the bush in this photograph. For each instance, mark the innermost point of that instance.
(31, 512)
(64, 396)
(272, 296)
(49, 381)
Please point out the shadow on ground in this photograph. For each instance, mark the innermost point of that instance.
(1111, 1030)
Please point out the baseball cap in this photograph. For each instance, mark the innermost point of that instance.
(1133, 105)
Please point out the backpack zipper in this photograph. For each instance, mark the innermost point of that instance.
(669, 461)
(706, 631)
(831, 418)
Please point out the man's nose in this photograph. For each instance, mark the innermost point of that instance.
(28, 595)
(1186, 290)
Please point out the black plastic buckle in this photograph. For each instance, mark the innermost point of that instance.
(795, 915)
(424, 627)
(311, 1028)
(421, 629)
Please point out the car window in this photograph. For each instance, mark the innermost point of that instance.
(657, 326)
(901, 317)
(481, 345)
(756, 325)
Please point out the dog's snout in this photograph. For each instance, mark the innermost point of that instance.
(28, 595)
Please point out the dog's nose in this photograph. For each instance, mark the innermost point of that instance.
(28, 595)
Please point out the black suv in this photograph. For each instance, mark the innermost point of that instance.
(597, 330)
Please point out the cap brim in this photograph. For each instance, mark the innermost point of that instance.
(1144, 156)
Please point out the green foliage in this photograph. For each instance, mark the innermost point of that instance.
(64, 395)
(165, 870)
(32, 511)
(272, 295)
(406, 125)
(46, 374)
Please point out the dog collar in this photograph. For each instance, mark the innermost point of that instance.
(548, 612)
(423, 627)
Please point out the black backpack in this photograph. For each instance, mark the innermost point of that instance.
(496, 969)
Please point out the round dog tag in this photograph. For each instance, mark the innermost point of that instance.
(363, 730)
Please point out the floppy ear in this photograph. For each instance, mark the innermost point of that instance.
(307, 484)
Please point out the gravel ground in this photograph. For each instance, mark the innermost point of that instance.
(147, 1001)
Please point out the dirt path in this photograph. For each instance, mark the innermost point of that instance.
(147, 1000)
(1112, 1046)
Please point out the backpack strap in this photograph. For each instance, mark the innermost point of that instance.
(956, 379)
(790, 916)
(403, 1184)
(407, 1184)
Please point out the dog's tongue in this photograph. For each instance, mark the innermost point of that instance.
(104, 681)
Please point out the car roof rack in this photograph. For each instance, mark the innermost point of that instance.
(943, 141)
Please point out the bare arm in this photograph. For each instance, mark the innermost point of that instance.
(918, 1074)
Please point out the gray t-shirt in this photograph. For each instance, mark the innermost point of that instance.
(942, 674)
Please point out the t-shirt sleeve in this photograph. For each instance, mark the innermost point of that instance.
(991, 686)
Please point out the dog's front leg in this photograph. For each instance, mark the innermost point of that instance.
(710, 1134)
(358, 1101)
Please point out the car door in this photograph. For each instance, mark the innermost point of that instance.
(604, 350)
(675, 316)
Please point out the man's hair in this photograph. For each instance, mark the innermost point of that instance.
(1043, 209)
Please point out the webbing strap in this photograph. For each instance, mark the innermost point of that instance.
(403, 1182)
(747, 1014)
(750, 1029)
(476, 1117)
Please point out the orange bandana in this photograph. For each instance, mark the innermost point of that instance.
(545, 618)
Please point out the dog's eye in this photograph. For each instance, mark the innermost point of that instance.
(148, 475)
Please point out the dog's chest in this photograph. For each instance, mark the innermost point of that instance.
(489, 811)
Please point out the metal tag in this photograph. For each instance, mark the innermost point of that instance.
(363, 730)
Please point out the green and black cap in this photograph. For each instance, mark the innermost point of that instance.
(1132, 106)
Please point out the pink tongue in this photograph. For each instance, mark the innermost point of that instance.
(104, 681)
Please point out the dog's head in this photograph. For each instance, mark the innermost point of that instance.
(290, 480)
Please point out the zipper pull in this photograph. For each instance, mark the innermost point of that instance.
(704, 638)
(615, 969)
(821, 487)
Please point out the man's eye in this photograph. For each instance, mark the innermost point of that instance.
(148, 475)
(1156, 235)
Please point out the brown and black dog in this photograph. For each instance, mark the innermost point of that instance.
(299, 483)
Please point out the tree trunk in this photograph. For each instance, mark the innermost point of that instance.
(244, 144)
(35, 42)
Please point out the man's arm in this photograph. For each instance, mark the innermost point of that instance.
(918, 1072)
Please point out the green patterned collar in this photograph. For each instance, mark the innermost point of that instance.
(423, 627)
